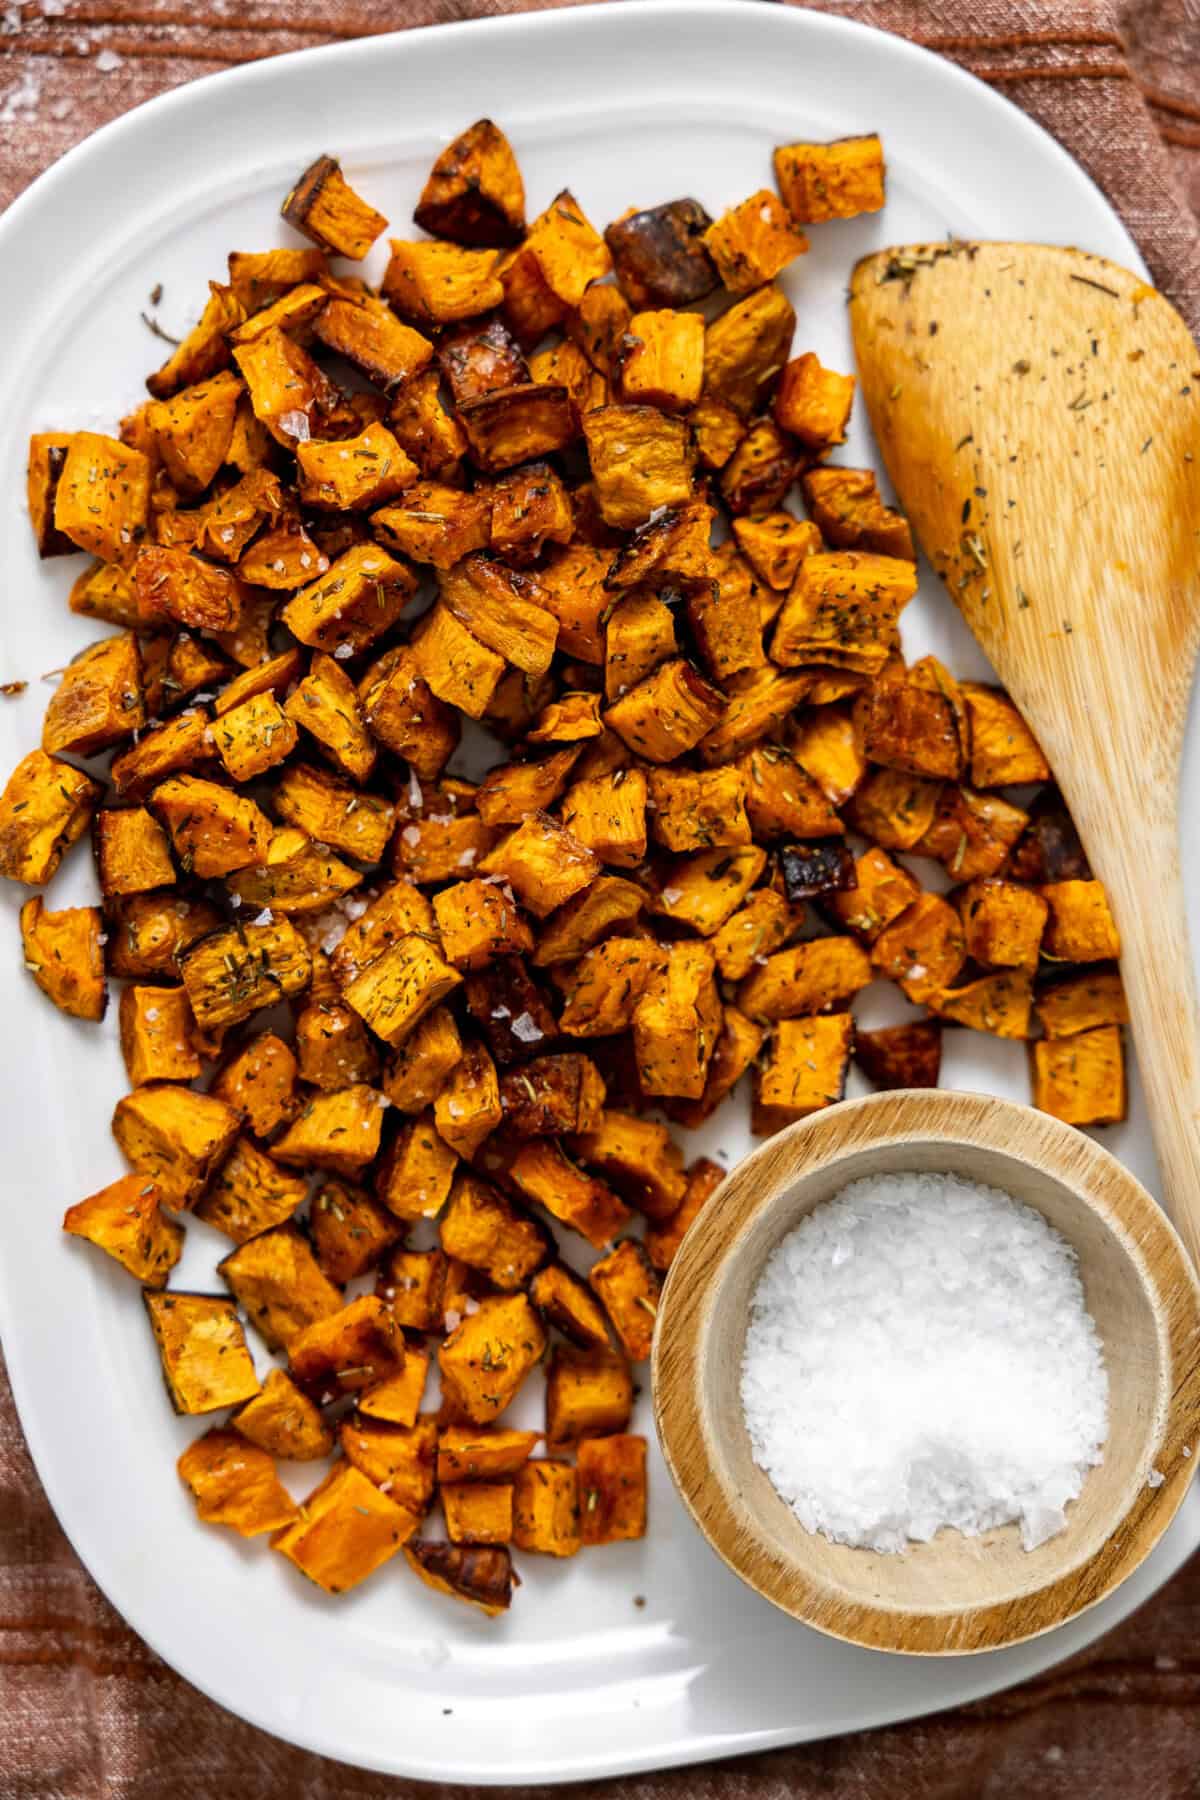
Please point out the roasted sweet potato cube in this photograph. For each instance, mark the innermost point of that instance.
(726, 621)
(413, 1283)
(99, 699)
(641, 1159)
(668, 713)
(250, 1194)
(63, 951)
(543, 863)
(367, 333)
(481, 1228)
(478, 921)
(573, 928)
(486, 1358)
(278, 1282)
(552, 1094)
(531, 308)
(746, 347)
(842, 610)
(290, 395)
(662, 1242)
(324, 208)
(47, 455)
(511, 791)
(333, 1046)
(971, 834)
(804, 1071)
(214, 831)
(1003, 924)
(518, 424)
(588, 1393)
(333, 812)
(254, 737)
(704, 890)
(435, 524)
(1080, 927)
(904, 725)
(565, 1303)
(1049, 848)
(259, 277)
(546, 1508)
(396, 1400)
(347, 1350)
(1081, 1003)
(847, 507)
(174, 1136)
(628, 1286)
(147, 932)
(466, 1453)
(474, 194)
(542, 1171)
(399, 910)
(347, 1528)
(1004, 752)
(640, 459)
(156, 1035)
(837, 180)
(660, 256)
(439, 845)
(283, 1421)
(597, 327)
(640, 634)
(752, 242)
(782, 798)
(283, 558)
(717, 430)
(813, 403)
(296, 877)
(194, 429)
(499, 606)
(662, 360)
(205, 1362)
(760, 926)
(901, 1056)
(326, 705)
(760, 471)
(275, 676)
(511, 1010)
(882, 890)
(608, 816)
(403, 714)
(825, 744)
(738, 1045)
(671, 547)
(573, 718)
(894, 808)
(468, 1107)
(775, 544)
(237, 971)
(354, 472)
(45, 806)
(126, 1220)
(698, 810)
(360, 597)
(456, 666)
(478, 1512)
(294, 311)
(102, 495)
(566, 364)
(440, 284)
(603, 989)
(572, 588)
(416, 1173)
(530, 508)
(400, 985)
(1081, 1079)
(424, 429)
(809, 978)
(234, 1483)
(171, 583)
(350, 1231)
(568, 250)
(480, 359)
(612, 1488)
(923, 948)
(420, 1065)
(815, 871)
(999, 1004)
(482, 1575)
(205, 348)
(676, 1023)
(103, 592)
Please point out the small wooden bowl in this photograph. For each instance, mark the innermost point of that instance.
(956, 1593)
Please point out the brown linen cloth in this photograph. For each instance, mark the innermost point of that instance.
(87, 1712)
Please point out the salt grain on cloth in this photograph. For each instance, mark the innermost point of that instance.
(919, 1355)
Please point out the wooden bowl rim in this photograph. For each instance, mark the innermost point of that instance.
(906, 1117)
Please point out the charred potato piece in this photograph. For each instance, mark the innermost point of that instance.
(901, 1056)
(660, 256)
(481, 1576)
(474, 194)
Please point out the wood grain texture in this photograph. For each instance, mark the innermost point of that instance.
(955, 1594)
(1039, 414)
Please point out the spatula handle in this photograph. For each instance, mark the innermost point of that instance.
(1134, 850)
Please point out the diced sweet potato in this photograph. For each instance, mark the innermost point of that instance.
(45, 806)
(478, 1512)
(132, 854)
(1003, 924)
(458, 668)
(815, 871)
(47, 455)
(667, 714)
(283, 1421)
(759, 701)
(102, 495)
(156, 1035)
(103, 592)
(573, 718)
(326, 705)
(705, 890)
(235, 972)
(808, 978)
(338, 1131)
(422, 426)
(468, 1453)
(479, 359)
(837, 180)
(612, 1488)
(400, 985)
(847, 507)
(543, 863)
(147, 932)
(626, 1282)
(660, 257)
(1081, 1079)
(500, 607)
(99, 699)
(775, 544)
(234, 1483)
(509, 792)
(543, 1172)
(782, 798)
(813, 403)
(347, 1350)
(354, 472)
(214, 831)
(474, 194)
(250, 1194)
(552, 1094)
(1081, 1003)
(421, 1064)
(676, 1023)
(568, 250)
(842, 609)
(295, 878)
(971, 833)
(923, 948)
(182, 743)
(826, 747)
(760, 926)
(565, 1303)
(805, 1070)
(1004, 752)
(194, 429)
(441, 283)
(396, 1400)
(641, 1159)
(530, 508)
(882, 891)
(346, 1530)
(259, 277)
(487, 1357)
(435, 524)
(205, 1362)
(662, 1241)
(334, 812)
(1049, 848)
(175, 1137)
(278, 1283)
(481, 1575)
(205, 348)
(588, 1393)
(356, 601)
(63, 951)
(752, 242)
(905, 725)
(640, 459)
(367, 333)
(468, 1107)
(324, 208)
(761, 469)
(662, 360)
(413, 1283)
(1080, 927)
(333, 1046)
(519, 424)
(738, 1045)
(478, 921)
(746, 347)
(901, 1056)
(894, 808)
(607, 816)
(546, 1508)
(999, 1004)
(126, 1220)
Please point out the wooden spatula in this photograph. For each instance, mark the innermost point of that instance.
(1039, 414)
